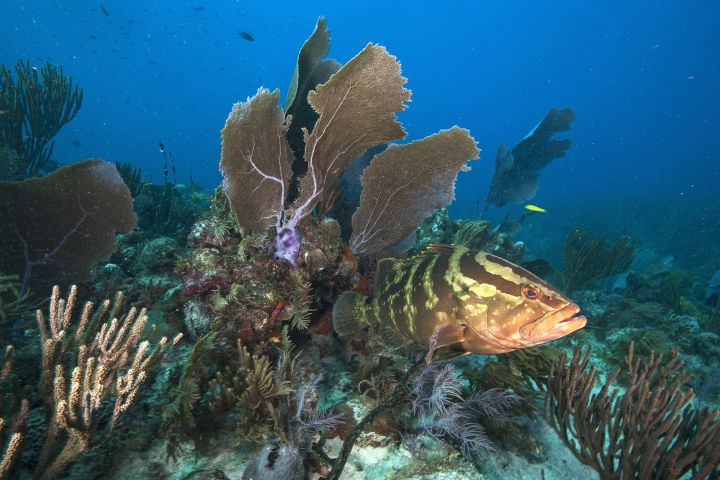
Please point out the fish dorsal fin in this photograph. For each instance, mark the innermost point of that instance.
(435, 248)
(387, 268)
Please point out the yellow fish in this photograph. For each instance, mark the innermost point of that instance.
(534, 208)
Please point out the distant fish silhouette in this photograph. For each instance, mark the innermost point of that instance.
(64, 8)
(247, 36)
(199, 8)
(104, 10)
(76, 142)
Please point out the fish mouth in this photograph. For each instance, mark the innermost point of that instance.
(567, 319)
(559, 323)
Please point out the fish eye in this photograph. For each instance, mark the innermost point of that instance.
(530, 292)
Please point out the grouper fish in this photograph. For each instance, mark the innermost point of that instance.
(458, 301)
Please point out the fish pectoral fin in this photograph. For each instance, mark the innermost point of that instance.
(448, 355)
(445, 336)
(391, 338)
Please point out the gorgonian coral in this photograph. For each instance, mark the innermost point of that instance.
(356, 110)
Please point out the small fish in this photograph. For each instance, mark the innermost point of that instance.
(76, 143)
(162, 147)
(199, 8)
(104, 10)
(247, 36)
(458, 301)
(534, 208)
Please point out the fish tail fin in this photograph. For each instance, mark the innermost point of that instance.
(350, 313)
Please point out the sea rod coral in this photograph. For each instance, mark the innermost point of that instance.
(649, 431)
(91, 369)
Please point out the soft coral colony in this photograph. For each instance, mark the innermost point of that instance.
(356, 108)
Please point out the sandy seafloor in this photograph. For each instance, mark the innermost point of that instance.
(392, 462)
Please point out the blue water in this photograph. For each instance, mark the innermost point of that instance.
(642, 77)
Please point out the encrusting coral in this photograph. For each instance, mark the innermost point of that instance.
(36, 104)
(651, 430)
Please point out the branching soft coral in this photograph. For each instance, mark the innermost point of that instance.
(587, 258)
(254, 386)
(13, 427)
(649, 431)
(443, 413)
(36, 104)
(110, 365)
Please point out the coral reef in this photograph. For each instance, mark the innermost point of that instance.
(313, 198)
(36, 104)
(108, 364)
(439, 228)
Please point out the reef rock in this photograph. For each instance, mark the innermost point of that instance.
(275, 461)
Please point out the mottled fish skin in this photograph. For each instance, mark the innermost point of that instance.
(489, 304)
